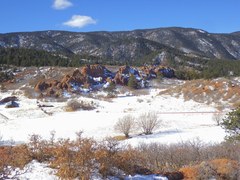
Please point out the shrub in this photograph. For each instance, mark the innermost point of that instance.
(214, 169)
(148, 122)
(190, 173)
(125, 125)
(217, 118)
(132, 82)
(187, 74)
(106, 155)
(13, 157)
(111, 88)
(74, 159)
(83, 157)
(74, 105)
(39, 148)
(5, 76)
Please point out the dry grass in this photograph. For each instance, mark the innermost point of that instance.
(208, 91)
(218, 168)
(119, 138)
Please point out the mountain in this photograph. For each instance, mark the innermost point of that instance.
(149, 44)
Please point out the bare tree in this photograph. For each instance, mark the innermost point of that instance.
(148, 122)
(125, 125)
(217, 117)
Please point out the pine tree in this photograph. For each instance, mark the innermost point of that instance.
(231, 123)
(132, 82)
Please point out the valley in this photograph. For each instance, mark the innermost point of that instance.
(57, 101)
(129, 105)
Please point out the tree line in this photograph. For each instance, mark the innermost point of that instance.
(188, 68)
(33, 57)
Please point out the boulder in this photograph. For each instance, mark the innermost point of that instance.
(127, 70)
(152, 71)
(76, 73)
(123, 75)
(121, 79)
(148, 72)
(8, 99)
(12, 104)
(174, 175)
(50, 92)
(41, 86)
(166, 71)
(94, 71)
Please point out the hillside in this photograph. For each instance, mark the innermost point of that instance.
(138, 45)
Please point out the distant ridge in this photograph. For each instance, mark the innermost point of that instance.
(152, 44)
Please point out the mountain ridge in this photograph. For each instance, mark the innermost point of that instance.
(122, 46)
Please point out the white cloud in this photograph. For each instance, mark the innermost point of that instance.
(61, 4)
(78, 21)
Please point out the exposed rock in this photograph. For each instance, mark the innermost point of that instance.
(86, 77)
(120, 79)
(95, 76)
(174, 175)
(148, 72)
(12, 104)
(142, 170)
(50, 92)
(41, 86)
(153, 71)
(8, 99)
(123, 75)
(96, 71)
(127, 70)
(44, 105)
(166, 71)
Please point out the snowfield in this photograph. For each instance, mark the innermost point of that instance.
(180, 120)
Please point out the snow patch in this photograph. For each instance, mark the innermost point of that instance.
(34, 171)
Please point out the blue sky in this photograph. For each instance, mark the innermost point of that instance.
(118, 15)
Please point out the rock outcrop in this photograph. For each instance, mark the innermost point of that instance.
(123, 75)
(95, 76)
(154, 71)
(87, 77)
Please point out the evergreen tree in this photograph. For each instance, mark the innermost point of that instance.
(132, 82)
(231, 123)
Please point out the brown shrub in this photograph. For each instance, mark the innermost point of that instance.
(189, 173)
(74, 159)
(217, 168)
(111, 159)
(14, 157)
(39, 149)
(226, 168)
(83, 156)
(106, 155)
(74, 105)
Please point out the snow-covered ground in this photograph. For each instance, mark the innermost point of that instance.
(40, 171)
(181, 120)
(34, 171)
